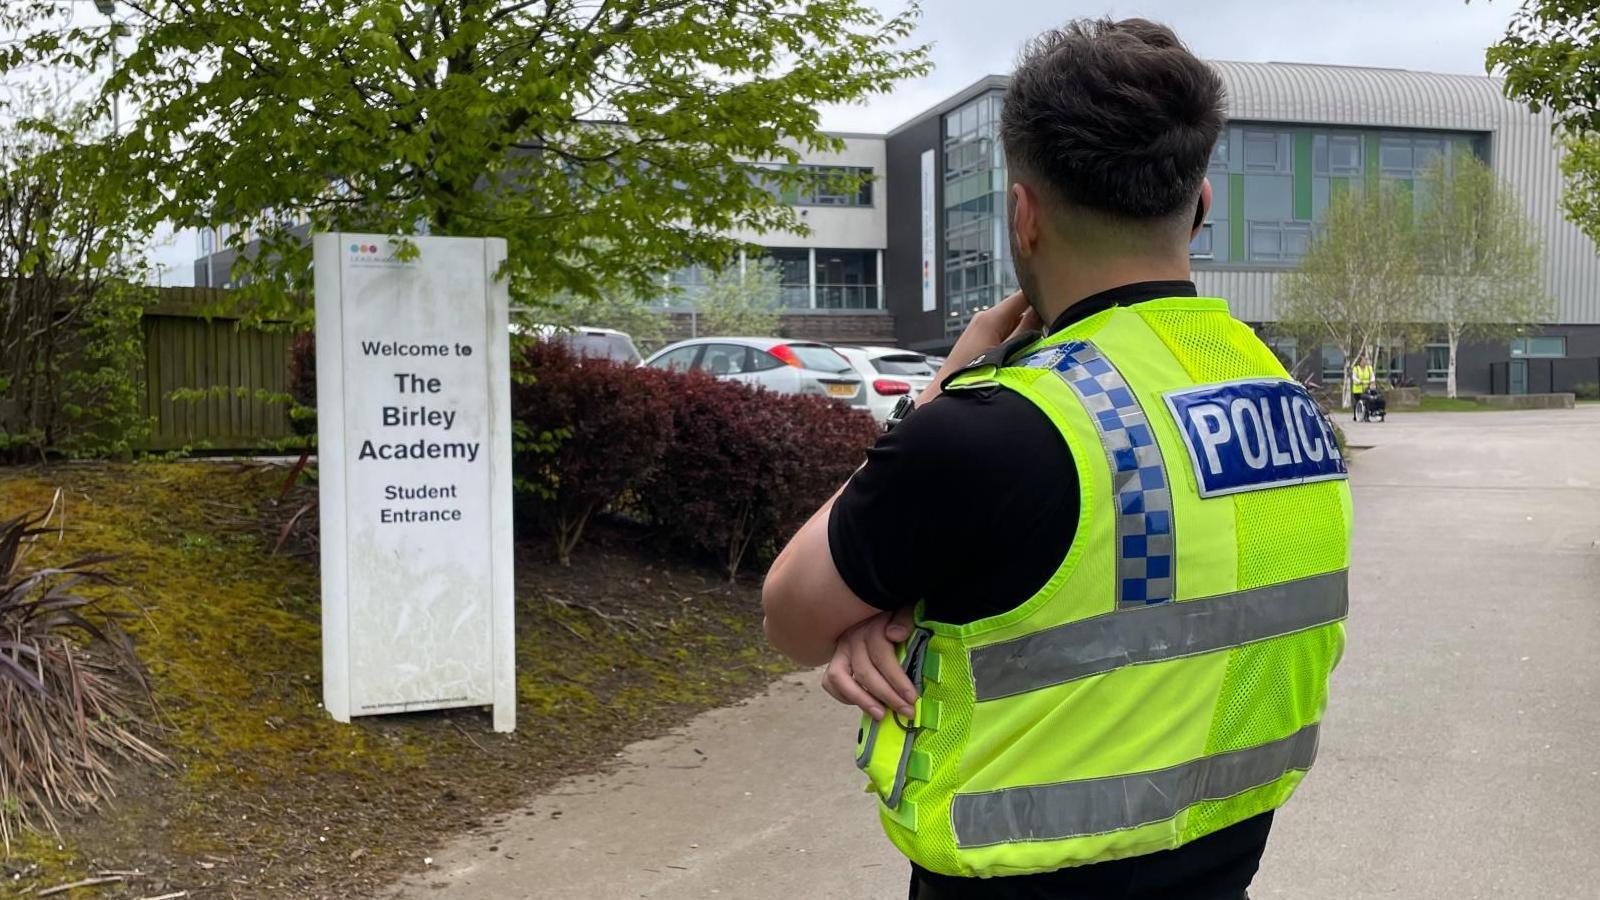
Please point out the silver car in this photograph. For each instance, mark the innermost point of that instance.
(783, 366)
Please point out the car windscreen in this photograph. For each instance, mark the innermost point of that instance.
(907, 364)
(614, 347)
(819, 358)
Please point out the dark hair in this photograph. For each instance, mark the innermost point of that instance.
(1118, 117)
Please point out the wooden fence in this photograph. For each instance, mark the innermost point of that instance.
(239, 371)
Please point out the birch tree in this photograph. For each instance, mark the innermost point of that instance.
(1359, 283)
(1481, 260)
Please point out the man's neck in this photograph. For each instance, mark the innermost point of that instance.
(1065, 286)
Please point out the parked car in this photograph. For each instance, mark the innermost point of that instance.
(889, 374)
(787, 367)
(588, 342)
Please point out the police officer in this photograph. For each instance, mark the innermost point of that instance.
(1361, 377)
(1089, 591)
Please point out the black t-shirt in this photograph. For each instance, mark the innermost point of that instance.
(970, 505)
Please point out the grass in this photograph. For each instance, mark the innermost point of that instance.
(620, 647)
(1431, 403)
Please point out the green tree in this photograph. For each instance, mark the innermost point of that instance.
(740, 300)
(1550, 59)
(606, 140)
(617, 308)
(71, 350)
(1481, 260)
(1359, 284)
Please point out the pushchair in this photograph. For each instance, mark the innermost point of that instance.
(1371, 404)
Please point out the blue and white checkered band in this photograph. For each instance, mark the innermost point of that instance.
(1139, 484)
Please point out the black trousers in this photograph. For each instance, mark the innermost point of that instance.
(1219, 866)
(926, 891)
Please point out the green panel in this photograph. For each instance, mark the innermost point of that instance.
(1235, 218)
(1372, 154)
(1406, 193)
(1302, 176)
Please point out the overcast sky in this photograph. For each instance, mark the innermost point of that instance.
(973, 38)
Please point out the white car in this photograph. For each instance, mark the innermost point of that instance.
(586, 341)
(889, 374)
(783, 366)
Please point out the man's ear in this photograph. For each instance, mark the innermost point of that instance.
(1203, 209)
(1025, 218)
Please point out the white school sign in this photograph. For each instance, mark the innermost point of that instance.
(414, 461)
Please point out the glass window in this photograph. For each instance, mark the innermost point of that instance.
(679, 360)
(1200, 247)
(1296, 240)
(793, 266)
(1539, 346)
(1266, 241)
(907, 364)
(1438, 362)
(1332, 364)
(1344, 155)
(1395, 155)
(974, 236)
(599, 345)
(1424, 152)
(723, 359)
(761, 361)
(1264, 151)
(819, 357)
(794, 276)
(1219, 153)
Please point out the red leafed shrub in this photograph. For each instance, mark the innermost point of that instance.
(303, 384)
(586, 434)
(746, 467)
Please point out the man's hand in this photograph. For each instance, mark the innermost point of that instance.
(989, 328)
(864, 671)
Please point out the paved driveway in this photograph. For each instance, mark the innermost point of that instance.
(1460, 758)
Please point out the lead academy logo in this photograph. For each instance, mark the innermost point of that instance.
(372, 256)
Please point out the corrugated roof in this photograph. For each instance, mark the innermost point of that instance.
(1350, 95)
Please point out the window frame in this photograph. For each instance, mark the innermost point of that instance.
(1526, 345)
(1443, 371)
(761, 361)
(702, 361)
(1386, 142)
(1281, 156)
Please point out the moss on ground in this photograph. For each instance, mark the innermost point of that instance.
(619, 647)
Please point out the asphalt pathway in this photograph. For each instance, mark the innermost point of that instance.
(1460, 757)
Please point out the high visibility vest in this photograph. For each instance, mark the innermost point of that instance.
(1168, 680)
(1360, 377)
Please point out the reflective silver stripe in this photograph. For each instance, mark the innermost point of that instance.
(1095, 806)
(866, 745)
(917, 645)
(1153, 633)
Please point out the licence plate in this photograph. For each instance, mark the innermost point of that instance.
(841, 390)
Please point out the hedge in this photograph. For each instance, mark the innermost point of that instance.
(717, 469)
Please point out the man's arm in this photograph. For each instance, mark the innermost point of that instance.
(814, 617)
(806, 601)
